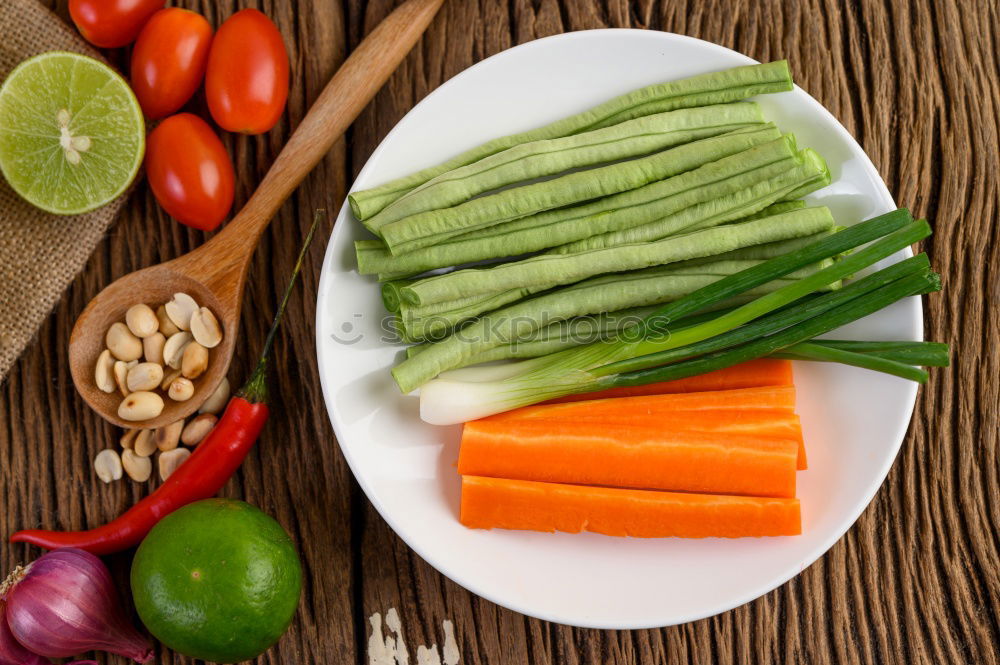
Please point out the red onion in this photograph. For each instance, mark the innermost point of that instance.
(65, 603)
(11, 651)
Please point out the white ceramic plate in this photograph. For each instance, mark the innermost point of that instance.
(854, 420)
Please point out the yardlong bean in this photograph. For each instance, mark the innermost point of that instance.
(810, 175)
(432, 227)
(645, 181)
(713, 88)
(548, 157)
(549, 270)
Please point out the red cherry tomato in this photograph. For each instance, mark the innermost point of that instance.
(246, 83)
(190, 171)
(112, 23)
(168, 60)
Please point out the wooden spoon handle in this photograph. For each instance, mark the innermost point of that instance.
(341, 101)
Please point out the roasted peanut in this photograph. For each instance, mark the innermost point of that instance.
(170, 460)
(128, 438)
(104, 373)
(168, 436)
(197, 429)
(218, 400)
(141, 320)
(194, 361)
(181, 309)
(144, 376)
(181, 389)
(120, 371)
(145, 443)
(152, 348)
(173, 350)
(108, 465)
(141, 405)
(122, 343)
(168, 378)
(167, 326)
(138, 468)
(205, 328)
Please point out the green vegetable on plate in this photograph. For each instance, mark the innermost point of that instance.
(723, 207)
(757, 163)
(607, 196)
(712, 88)
(666, 283)
(554, 269)
(537, 159)
(571, 371)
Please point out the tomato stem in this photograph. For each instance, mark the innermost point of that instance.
(255, 389)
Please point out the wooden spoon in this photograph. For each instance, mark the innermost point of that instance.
(215, 273)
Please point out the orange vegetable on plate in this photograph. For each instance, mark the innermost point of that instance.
(629, 456)
(750, 374)
(489, 503)
(766, 411)
(767, 399)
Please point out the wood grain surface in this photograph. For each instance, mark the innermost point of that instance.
(916, 580)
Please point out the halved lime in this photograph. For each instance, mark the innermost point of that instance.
(71, 132)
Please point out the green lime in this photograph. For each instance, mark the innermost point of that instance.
(71, 132)
(217, 580)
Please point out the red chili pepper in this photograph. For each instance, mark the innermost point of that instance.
(200, 477)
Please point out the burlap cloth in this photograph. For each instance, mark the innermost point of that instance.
(40, 253)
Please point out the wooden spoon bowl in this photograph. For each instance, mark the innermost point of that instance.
(215, 273)
(154, 286)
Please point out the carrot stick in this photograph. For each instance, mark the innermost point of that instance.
(489, 503)
(769, 398)
(751, 374)
(776, 424)
(619, 456)
(722, 411)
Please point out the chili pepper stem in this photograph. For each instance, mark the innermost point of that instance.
(255, 389)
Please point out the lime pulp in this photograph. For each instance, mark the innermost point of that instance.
(72, 135)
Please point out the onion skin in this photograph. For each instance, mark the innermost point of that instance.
(66, 603)
(11, 651)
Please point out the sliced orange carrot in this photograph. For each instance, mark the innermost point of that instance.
(757, 411)
(489, 503)
(751, 374)
(768, 398)
(628, 456)
(776, 424)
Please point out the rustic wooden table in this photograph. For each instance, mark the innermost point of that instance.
(916, 580)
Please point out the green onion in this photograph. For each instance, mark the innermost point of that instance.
(448, 401)
(777, 320)
(805, 308)
(820, 352)
(801, 332)
(926, 354)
